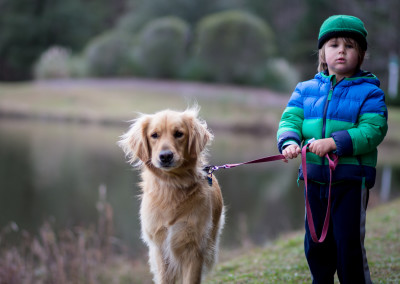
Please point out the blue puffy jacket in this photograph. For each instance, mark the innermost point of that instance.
(353, 112)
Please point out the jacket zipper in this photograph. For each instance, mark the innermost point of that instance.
(333, 85)
(326, 110)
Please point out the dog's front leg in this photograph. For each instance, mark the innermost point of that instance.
(186, 247)
(159, 266)
(192, 269)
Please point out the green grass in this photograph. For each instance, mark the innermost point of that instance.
(283, 261)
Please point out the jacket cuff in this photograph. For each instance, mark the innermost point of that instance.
(344, 144)
(286, 136)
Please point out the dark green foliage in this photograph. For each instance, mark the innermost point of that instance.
(233, 45)
(191, 11)
(27, 28)
(110, 55)
(162, 47)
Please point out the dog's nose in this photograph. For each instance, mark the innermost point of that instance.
(166, 157)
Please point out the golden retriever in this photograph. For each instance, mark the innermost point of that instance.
(181, 213)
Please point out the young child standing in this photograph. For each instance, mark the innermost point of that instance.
(344, 110)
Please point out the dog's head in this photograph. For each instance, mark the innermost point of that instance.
(167, 139)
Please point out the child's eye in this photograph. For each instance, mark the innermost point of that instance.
(349, 46)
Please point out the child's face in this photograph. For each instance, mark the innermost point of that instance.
(342, 57)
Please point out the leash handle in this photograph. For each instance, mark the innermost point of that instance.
(333, 161)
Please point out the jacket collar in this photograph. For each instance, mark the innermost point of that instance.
(359, 77)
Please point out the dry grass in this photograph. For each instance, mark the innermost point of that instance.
(78, 255)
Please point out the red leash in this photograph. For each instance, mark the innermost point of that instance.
(333, 161)
(211, 169)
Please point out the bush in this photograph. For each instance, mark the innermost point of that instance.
(234, 46)
(110, 54)
(78, 67)
(162, 47)
(53, 63)
(280, 76)
(28, 28)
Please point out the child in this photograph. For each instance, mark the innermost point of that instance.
(344, 109)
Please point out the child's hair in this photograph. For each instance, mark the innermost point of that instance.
(322, 66)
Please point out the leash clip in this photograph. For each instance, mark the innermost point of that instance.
(209, 170)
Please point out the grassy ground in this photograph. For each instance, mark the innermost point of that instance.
(283, 261)
(116, 101)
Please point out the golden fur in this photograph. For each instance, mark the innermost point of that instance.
(181, 214)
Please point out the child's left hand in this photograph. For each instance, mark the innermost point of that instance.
(322, 146)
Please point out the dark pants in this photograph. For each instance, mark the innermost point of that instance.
(343, 249)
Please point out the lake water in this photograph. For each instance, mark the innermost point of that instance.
(52, 171)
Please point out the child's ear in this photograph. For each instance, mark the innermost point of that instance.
(362, 56)
(322, 57)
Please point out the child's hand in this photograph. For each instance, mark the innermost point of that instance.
(322, 146)
(291, 151)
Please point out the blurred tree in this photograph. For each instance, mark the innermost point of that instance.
(53, 63)
(283, 16)
(304, 51)
(29, 27)
(109, 54)
(383, 25)
(162, 47)
(191, 11)
(234, 46)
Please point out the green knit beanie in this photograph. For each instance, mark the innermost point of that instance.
(343, 26)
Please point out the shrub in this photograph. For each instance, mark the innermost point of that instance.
(279, 75)
(53, 63)
(78, 67)
(162, 47)
(233, 45)
(110, 54)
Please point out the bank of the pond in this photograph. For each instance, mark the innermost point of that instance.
(116, 101)
(283, 260)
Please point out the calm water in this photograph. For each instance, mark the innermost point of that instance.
(52, 171)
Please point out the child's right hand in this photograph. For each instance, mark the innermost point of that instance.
(291, 151)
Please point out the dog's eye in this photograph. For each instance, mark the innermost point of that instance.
(154, 135)
(178, 134)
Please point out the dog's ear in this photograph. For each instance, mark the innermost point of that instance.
(134, 142)
(199, 135)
